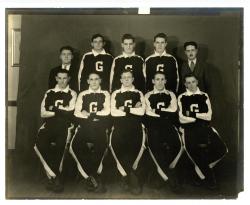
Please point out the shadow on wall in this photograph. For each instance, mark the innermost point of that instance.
(173, 43)
(108, 46)
(77, 57)
(140, 46)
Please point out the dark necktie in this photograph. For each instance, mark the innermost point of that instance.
(192, 66)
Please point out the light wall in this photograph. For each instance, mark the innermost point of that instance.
(14, 39)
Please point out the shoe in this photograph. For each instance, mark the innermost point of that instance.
(155, 182)
(124, 183)
(195, 180)
(134, 184)
(50, 184)
(91, 184)
(175, 188)
(173, 182)
(58, 186)
(136, 190)
(101, 188)
(211, 182)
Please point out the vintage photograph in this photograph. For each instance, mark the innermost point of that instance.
(108, 103)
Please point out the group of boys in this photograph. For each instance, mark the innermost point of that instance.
(127, 106)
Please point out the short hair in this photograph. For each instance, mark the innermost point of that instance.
(127, 71)
(62, 71)
(69, 48)
(190, 43)
(95, 74)
(128, 36)
(189, 75)
(160, 35)
(159, 72)
(96, 36)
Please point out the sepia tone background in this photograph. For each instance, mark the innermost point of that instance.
(217, 31)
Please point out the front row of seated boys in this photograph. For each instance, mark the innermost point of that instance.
(138, 124)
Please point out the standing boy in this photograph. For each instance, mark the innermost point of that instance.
(161, 61)
(97, 61)
(128, 60)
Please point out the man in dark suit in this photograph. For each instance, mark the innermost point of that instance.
(66, 56)
(195, 66)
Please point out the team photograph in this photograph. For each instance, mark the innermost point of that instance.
(112, 104)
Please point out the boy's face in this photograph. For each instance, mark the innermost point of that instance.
(94, 81)
(62, 80)
(191, 52)
(128, 46)
(191, 83)
(127, 79)
(66, 56)
(97, 44)
(160, 45)
(159, 81)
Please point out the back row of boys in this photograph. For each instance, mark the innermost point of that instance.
(109, 69)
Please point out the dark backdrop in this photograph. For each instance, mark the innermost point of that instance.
(218, 34)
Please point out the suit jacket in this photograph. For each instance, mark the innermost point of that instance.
(73, 71)
(201, 70)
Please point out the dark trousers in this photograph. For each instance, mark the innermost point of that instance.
(88, 147)
(51, 143)
(163, 141)
(204, 146)
(126, 141)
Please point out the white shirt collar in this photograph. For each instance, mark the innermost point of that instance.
(126, 55)
(162, 91)
(158, 54)
(195, 93)
(65, 90)
(96, 53)
(123, 89)
(95, 91)
(189, 61)
(67, 66)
